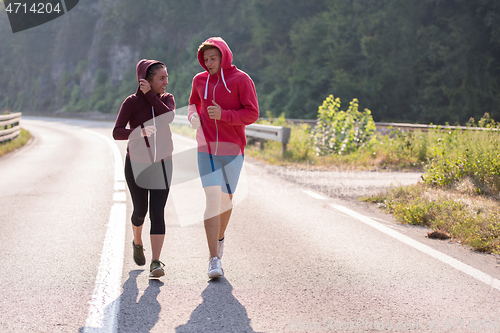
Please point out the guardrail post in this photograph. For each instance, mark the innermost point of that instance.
(287, 131)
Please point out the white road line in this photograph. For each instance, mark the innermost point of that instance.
(105, 303)
(119, 186)
(119, 197)
(314, 195)
(475, 273)
(469, 270)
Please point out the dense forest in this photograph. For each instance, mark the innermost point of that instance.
(406, 60)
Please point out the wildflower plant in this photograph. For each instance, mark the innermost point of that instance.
(342, 132)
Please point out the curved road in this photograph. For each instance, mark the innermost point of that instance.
(294, 260)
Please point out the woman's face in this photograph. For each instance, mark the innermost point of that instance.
(160, 81)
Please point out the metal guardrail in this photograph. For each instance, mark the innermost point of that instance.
(262, 132)
(427, 127)
(10, 127)
(282, 134)
(402, 126)
(269, 132)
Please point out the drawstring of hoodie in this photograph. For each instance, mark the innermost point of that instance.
(223, 80)
(206, 86)
(213, 96)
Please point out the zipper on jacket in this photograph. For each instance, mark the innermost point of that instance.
(154, 133)
(216, 128)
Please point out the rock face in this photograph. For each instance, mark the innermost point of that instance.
(63, 59)
(84, 61)
(90, 43)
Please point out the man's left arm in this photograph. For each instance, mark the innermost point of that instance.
(250, 111)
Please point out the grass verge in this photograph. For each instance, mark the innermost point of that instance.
(18, 142)
(455, 212)
(184, 130)
(402, 151)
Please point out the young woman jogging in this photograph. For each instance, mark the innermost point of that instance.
(148, 165)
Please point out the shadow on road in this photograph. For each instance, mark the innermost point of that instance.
(139, 316)
(220, 311)
(134, 316)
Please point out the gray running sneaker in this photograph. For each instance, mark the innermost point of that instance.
(156, 269)
(139, 257)
(214, 268)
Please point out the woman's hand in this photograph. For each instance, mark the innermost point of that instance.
(144, 86)
(148, 131)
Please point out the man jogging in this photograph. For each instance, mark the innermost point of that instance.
(222, 102)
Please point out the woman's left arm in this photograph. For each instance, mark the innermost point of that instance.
(164, 106)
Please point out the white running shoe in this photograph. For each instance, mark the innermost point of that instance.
(220, 248)
(214, 268)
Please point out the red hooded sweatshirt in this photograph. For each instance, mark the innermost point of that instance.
(234, 91)
(140, 110)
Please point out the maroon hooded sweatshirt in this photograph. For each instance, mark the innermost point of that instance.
(234, 91)
(140, 110)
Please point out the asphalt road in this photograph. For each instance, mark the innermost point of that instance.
(294, 260)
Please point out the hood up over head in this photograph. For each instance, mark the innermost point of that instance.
(142, 67)
(225, 62)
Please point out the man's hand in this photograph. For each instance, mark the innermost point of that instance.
(214, 111)
(144, 86)
(195, 121)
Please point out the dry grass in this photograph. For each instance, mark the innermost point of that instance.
(18, 142)
(457, 210)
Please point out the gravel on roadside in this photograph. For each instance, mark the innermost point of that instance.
(343, 183)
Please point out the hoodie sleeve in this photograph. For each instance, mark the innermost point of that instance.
(162, 105)
(119, 131)
(250, 111)
(194, 99)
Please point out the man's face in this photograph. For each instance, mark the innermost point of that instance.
(212, 60)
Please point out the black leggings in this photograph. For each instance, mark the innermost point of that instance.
(157, 197)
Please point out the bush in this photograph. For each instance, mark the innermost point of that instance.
(398, 150)
(342, 132)
(300, 144)
(402, 149)
(468, 154)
